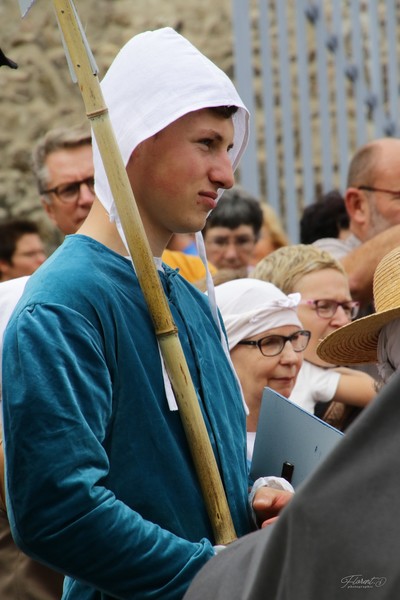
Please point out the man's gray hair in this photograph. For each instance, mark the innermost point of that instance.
(57, 139)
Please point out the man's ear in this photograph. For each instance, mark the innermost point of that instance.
(357, 206)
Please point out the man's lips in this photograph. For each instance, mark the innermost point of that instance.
(209, 199)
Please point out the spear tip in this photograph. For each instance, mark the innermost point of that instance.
(25, 6)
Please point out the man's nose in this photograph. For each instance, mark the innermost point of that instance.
(86, 196)
(221, 173)
(231, 250)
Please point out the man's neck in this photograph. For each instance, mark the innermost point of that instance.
(98, 226)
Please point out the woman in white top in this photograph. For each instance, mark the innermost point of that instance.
(325, 306)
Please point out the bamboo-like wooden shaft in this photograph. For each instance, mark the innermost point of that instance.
(139, 249)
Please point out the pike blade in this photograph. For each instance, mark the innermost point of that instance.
(25, 6)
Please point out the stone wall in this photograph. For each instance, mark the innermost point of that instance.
(40, 95)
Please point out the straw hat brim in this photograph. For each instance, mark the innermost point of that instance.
(356, 343)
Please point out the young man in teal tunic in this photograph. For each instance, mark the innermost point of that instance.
(100, 481)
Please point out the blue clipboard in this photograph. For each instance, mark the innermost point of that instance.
(289, 435)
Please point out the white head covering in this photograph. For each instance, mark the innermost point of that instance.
(250, 306)
(156, 78)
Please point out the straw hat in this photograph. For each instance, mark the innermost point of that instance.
(356, 343)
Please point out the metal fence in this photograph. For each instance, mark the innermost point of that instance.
(320, 79)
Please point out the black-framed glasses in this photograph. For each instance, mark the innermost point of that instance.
(368, 188)
(326, 309)
(272, 345)
(69, 192)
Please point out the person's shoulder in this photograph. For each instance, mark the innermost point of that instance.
(337, 247)
(81, 272)
(81, 259)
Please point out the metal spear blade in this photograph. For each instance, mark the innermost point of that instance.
(25, 6)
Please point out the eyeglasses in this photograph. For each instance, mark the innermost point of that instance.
(243, 243)
(326, 309)
(272, 345)
(367, 188)
(69, 192)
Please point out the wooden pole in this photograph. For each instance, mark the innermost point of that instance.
(139, 249)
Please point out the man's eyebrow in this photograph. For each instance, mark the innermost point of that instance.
(216, 135)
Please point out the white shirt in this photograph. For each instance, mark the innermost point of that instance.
(314, 384)
(10, 293)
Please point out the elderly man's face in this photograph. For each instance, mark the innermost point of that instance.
(377, 204)
(176, 174)
(65, 168)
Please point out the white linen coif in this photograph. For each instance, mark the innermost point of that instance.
(249, 307)
(155, 79)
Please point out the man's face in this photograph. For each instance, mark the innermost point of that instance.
(384, 210)
(229, 248)
(68, 166)
(381, 210)
(176, 174)
(28, 256)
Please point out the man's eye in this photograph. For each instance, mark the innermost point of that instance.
(220, 241)
(69, 190)
(207, 142)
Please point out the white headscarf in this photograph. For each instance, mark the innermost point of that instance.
(250, 306)
(388, 350)
(156, 78)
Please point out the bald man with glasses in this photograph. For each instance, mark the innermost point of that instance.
(372, 201)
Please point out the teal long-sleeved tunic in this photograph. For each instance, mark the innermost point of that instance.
(100, 481)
